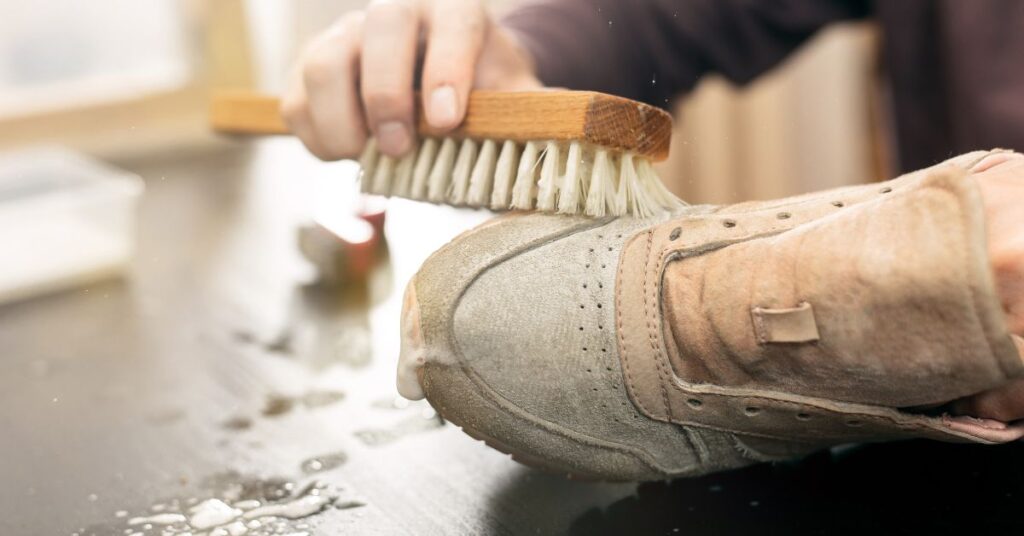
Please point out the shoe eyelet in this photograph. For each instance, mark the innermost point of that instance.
(751, 411)
(783, 215)
(885, 190)
(675, 233)
(803, 417)
(854, 423)
(838, 204)
(729, 223)
(694, 403)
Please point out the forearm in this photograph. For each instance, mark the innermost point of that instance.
(653, 50)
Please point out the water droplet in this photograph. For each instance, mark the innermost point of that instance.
(159, 519)
(324, 462)
(237, 423)
(212, 513)
(277, 405)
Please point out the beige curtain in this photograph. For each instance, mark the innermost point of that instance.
(806, 125)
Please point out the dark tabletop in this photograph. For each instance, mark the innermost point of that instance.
(217, 369)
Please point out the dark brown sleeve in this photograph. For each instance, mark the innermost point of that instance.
(654, 50)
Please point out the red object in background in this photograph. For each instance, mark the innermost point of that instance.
(372, 209)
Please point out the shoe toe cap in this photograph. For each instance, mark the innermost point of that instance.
(514, 340)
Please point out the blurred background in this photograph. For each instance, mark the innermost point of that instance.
(68, 76)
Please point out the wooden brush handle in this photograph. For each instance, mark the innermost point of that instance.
(597, 118)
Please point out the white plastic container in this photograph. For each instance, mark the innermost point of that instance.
(66, 220)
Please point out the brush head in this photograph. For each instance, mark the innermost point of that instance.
(565, 177)
(570, 152)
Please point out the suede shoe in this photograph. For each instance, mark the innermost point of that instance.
(716, 336)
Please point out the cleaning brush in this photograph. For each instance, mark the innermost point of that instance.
(569, 152)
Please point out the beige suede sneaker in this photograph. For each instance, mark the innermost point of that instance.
(715, 337)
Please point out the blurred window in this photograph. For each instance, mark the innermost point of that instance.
(61, 53)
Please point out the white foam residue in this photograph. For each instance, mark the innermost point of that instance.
(212, 513)
(299, 508)
(159, 519)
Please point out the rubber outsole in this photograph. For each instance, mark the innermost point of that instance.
(459, 401)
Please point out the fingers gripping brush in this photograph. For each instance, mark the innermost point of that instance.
(570, 152)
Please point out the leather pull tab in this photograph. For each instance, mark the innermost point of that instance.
(791, 325)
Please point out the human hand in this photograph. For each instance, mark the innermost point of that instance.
(357, 78)
(1001, 179)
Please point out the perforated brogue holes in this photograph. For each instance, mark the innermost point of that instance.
(783, 215)
(694, 403)
(803, 416)
(729, 223)
(751, 411)
(675, 233)
(838, 204)
(885, 190)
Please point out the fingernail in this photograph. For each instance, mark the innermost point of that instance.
(393, 138)
(443, 107)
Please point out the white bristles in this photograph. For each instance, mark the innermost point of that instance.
(568, 177)
(483, 174)
(461, 173)
(504, 176)
(601, 195)
(636, 200)
(382, 175)
(368, 162)
(526, 185)
(650, 183)
(441, 173)
(424, 161)
(403, 174)
(547, 192)
(571, 193)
